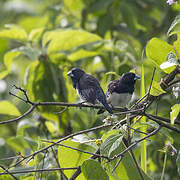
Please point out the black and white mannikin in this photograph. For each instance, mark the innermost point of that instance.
(88, 88)
(120, 91)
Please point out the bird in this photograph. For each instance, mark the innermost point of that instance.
(88, 88)
(119, 92)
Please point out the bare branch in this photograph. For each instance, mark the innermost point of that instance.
(163, 124)
(37, 170)
(20, 117)
(7, 172)
(62, 139)
(101, 156)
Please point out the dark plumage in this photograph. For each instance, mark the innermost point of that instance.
(88, 88)
(120, 91)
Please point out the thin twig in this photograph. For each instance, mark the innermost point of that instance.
(37, 170)
(162, 118)
(101, 156)
(20, 117)
(62, 139)
(7, 172)
(151, 81)
(57, 161)
(163, 124)
(137, 130)
(174, 82)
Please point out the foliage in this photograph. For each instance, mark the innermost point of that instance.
(40, 41)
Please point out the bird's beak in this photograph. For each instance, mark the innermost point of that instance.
(136, 77)
(70, 74)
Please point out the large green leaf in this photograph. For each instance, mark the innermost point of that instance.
(111, 144)
(8, 108)
(72, 158)
(126, 170)
(156, 89)
(93, 170)
(157, 51)
(174, 113)
(63, 40)
(14, 32)
(44, 81)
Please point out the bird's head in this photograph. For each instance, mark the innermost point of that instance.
(130, 77)
(75, 74)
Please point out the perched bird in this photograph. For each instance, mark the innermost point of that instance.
(120, 91)
(88, 88)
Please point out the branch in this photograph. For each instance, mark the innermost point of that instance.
(162, 124)
(162, 118)
(20, 117)
(7, 172)
(60, 140)
(37, 170)
(97, 155)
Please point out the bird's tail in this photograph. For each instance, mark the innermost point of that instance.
(108, 108)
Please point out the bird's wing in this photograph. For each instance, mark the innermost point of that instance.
(119, 87)
(112, 86)
(88, 86)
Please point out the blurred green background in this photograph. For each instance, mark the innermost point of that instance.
(41, 40)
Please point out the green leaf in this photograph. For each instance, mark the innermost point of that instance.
(99, 5)
(111, 144)
(74, 6)
(9, 57)
(157, 51)
(174, 113)
(173, 25)
(93, 170)
(82, 54)
(3, 74)
(105, 22)
(57, 58)
(14, 32)
(126, 170)
(9, 109)
(43, 73)
(156, 89)
(72, 158)
(170, 61)
(36, 34)
(109, 133)
(63, 40)
(31, 53)
(51, 126)
(23, 125)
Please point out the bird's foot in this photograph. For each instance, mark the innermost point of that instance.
(81, 103)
